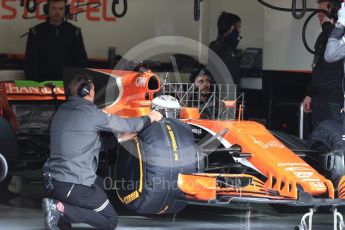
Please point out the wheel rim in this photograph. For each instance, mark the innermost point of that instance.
(3, 167)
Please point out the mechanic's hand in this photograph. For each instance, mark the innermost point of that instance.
(307, 104)
(341, 14)
(155, 116)
(122, 137)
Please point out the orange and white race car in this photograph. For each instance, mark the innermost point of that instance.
(209, 156)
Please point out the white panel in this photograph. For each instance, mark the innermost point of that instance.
(283, 46)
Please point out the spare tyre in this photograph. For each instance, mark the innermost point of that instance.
(147, 168)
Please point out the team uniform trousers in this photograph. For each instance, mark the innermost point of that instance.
(84, 204)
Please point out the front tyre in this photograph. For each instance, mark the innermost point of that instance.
(147, 168)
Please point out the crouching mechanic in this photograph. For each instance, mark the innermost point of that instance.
(73, 194)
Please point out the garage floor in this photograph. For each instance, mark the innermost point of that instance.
(23, 212)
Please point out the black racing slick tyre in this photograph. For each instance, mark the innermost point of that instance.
(327, 139)
(8, 141)
(147, 168)
(3, 168)
(9, 151)
(327, 134)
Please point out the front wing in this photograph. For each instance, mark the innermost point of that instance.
(225, 189)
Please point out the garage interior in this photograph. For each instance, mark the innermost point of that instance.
(275, 70)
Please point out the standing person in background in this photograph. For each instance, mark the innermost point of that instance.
(225, 46)
(53, 44)
(324, 96)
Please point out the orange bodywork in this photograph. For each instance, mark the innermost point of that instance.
(136, 94)
(284, 170)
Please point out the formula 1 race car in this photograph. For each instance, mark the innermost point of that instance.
(208, 156)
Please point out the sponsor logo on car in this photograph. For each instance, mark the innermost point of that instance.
(297, 169)
(303, 174)
(141, 81)
(270, 144)
(291, 164)
(12, 89)
(317, 184)
(197, 131)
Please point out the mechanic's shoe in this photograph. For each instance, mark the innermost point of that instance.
(64, 225)
(52, 210)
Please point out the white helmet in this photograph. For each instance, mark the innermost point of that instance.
(167, 105)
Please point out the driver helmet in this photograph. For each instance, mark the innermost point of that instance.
(167, 105)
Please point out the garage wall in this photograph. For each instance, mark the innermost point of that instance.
(283, 46)
(145, 19)
(276, 32)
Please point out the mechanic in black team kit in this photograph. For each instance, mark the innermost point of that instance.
(54, 44)
(70, 172)
(324, 97)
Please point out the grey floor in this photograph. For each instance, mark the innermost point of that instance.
(23, 212)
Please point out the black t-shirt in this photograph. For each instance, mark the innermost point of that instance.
(49, 48)
(326, 77)
(227, 51)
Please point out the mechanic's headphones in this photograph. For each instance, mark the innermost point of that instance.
(334, 6)
(46, 8)
(84, 89)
